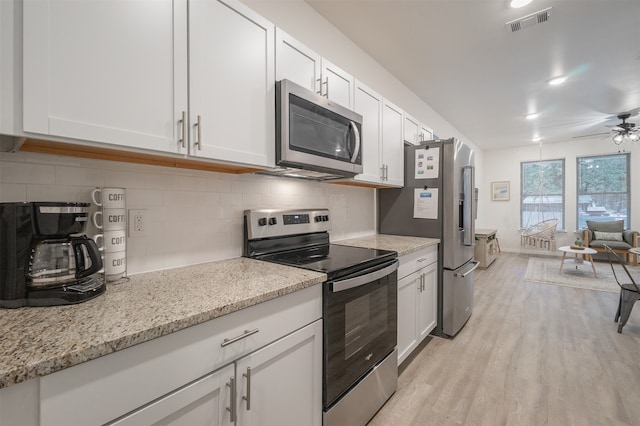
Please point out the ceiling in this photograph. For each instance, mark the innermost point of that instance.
(460, 58)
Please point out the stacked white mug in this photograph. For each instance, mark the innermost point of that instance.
(111, 220)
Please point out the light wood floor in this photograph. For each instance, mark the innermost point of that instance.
(531, 354)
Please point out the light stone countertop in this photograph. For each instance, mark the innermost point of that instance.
(402, 244)
(40, 341)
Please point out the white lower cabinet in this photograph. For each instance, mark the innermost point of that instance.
(278, 384)
(417, 299)
(272, 352)
(204, 402)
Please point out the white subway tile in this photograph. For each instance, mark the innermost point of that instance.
(79, 176)
(13, 192)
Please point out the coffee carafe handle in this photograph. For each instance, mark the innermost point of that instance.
(92, 251)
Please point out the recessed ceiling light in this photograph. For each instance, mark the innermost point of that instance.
(536, 139)
(557, 80)
(519, 3)
(532, 115)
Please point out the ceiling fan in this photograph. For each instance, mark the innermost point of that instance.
(621, 132)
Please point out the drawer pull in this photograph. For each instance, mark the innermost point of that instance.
(246, 334)
(422, 259)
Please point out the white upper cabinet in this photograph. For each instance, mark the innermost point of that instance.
(231, 83)
(336, 84)
(392, 144)
(369, 104)
(426, 133)
(296, 62)
(415, 132)
(411, 130)
(106, 71)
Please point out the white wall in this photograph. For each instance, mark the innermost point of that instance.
(504, 165)
(193, 216)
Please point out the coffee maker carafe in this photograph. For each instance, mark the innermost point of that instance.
(43, 262)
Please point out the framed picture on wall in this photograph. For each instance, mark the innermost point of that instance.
(500, 191)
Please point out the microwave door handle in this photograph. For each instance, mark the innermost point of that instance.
(356, 134)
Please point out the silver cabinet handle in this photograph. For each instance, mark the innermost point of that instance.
(244, 335)
(198, 141)
(183, 122)
(326, 82)
(386, 172)
(382, 172)
(248, 396)
(422, 259)
(424, 282)
(420, 283)
(319, 80)
(232, 400)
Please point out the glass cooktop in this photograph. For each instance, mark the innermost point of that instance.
(334, 260)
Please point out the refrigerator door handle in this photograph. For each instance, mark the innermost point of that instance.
(466, 273)
(467, 208)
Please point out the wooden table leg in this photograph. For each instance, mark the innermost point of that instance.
(593, 266)
(564, 254)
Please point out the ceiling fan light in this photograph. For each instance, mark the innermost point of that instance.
(617, 139)
(519, 3)
(556, 81)
(634, 137)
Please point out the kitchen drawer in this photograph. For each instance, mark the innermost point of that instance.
(411, 262)
(117, 383)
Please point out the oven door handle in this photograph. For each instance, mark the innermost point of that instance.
(342, 285)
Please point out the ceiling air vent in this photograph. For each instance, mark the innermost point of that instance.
(529, 20)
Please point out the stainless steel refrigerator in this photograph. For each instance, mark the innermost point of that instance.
(438, 201)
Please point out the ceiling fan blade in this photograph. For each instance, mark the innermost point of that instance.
(591, 135)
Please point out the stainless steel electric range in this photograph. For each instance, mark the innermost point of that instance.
(360, 362)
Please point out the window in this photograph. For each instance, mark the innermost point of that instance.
(541, 192)
(603, 188)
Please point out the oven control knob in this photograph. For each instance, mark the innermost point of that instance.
(318, 218)
(262, 221)
(325, 218)
(273, 221)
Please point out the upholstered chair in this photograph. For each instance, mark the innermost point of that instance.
(610, 233)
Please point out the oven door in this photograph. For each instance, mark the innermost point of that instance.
(360, 326)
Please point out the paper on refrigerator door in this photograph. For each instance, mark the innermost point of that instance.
(425, 204)
(427, 163)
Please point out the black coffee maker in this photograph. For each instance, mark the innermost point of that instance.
(42, 261)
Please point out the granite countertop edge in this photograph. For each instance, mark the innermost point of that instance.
(83, 331)
(399, 243)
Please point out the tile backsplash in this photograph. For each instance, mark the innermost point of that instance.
(192, 216)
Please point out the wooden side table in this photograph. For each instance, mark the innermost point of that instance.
(486, 249)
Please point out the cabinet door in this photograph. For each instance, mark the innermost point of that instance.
(427, 301)
(281, 384)
(369, 104)
(392, 144)
(426, 134)
(296, 62)
(106, 71)
(231, 75)
(337, 85)
(411, 130)
(407, 316)
(206, 401)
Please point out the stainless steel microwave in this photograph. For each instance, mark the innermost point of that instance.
(315, 134)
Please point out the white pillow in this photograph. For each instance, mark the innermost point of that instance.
(608, 236)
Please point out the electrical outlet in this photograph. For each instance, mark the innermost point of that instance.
(137, 223)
